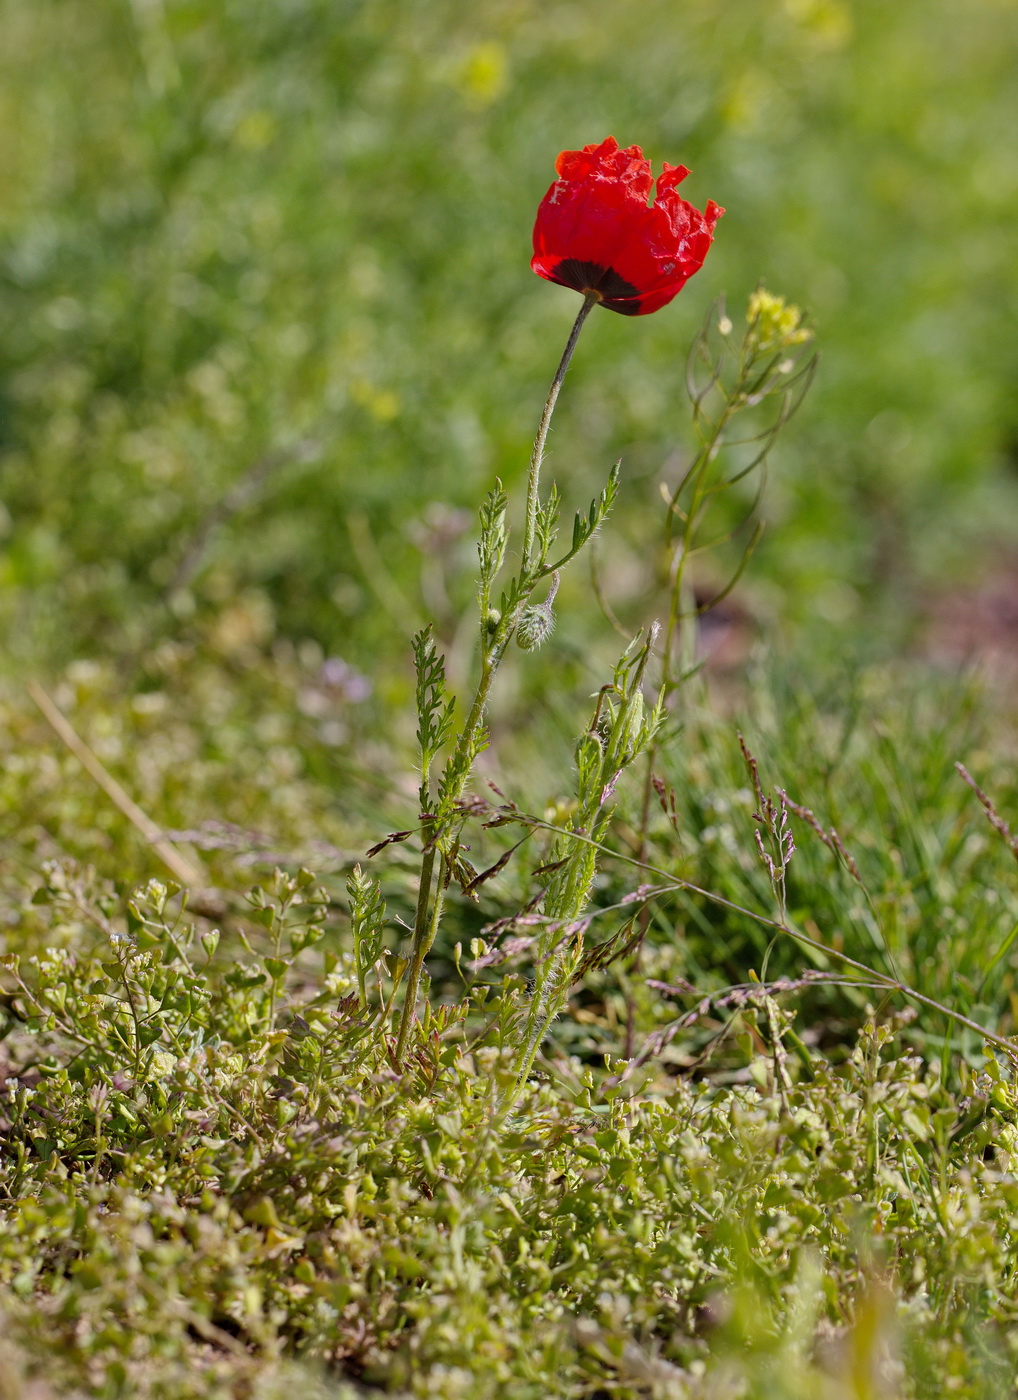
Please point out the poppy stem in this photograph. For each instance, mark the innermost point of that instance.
(537, 456)
(425, 929)
(442, 828)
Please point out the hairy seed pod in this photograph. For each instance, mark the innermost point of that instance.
(535, 626)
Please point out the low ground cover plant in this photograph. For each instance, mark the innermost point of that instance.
(669, 1095)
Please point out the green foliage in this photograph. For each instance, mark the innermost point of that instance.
(491, 549)
(585, 527)
(547, 523)
(203, 1176)
(620, 731)
(367, 925)
(909, 867)
(434, 708)
(213, 1174)
(266, 329)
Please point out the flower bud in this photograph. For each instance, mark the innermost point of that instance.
(491, 619)
(535, 626)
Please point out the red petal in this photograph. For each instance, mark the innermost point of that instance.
(597, 214)
(671, 176)
(608, 164)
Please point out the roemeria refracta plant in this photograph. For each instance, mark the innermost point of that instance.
(596, 233)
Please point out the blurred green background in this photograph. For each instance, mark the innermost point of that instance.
(279, 249)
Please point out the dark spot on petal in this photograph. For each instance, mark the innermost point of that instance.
(592, 277)
(625, 308)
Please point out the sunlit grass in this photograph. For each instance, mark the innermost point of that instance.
(267, 337)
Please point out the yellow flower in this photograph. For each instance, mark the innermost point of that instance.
(774, 323)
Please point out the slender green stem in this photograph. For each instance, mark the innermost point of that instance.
(427, 915)
(682, 627)
(678, 616)
(418, 951)
(492, 650)
(422, 948)
(489, 665)
(537, 456)
(539, 1019)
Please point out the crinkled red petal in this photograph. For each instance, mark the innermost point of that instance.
(596, 216)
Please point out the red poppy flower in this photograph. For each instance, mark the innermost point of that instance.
(596, 232)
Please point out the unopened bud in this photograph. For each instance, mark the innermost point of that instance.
(537, 621)
(491, 619)
(535, 626)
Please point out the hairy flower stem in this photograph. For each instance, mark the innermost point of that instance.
(537, 456)
(419, 950)
(458, 768)
(428, 915)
